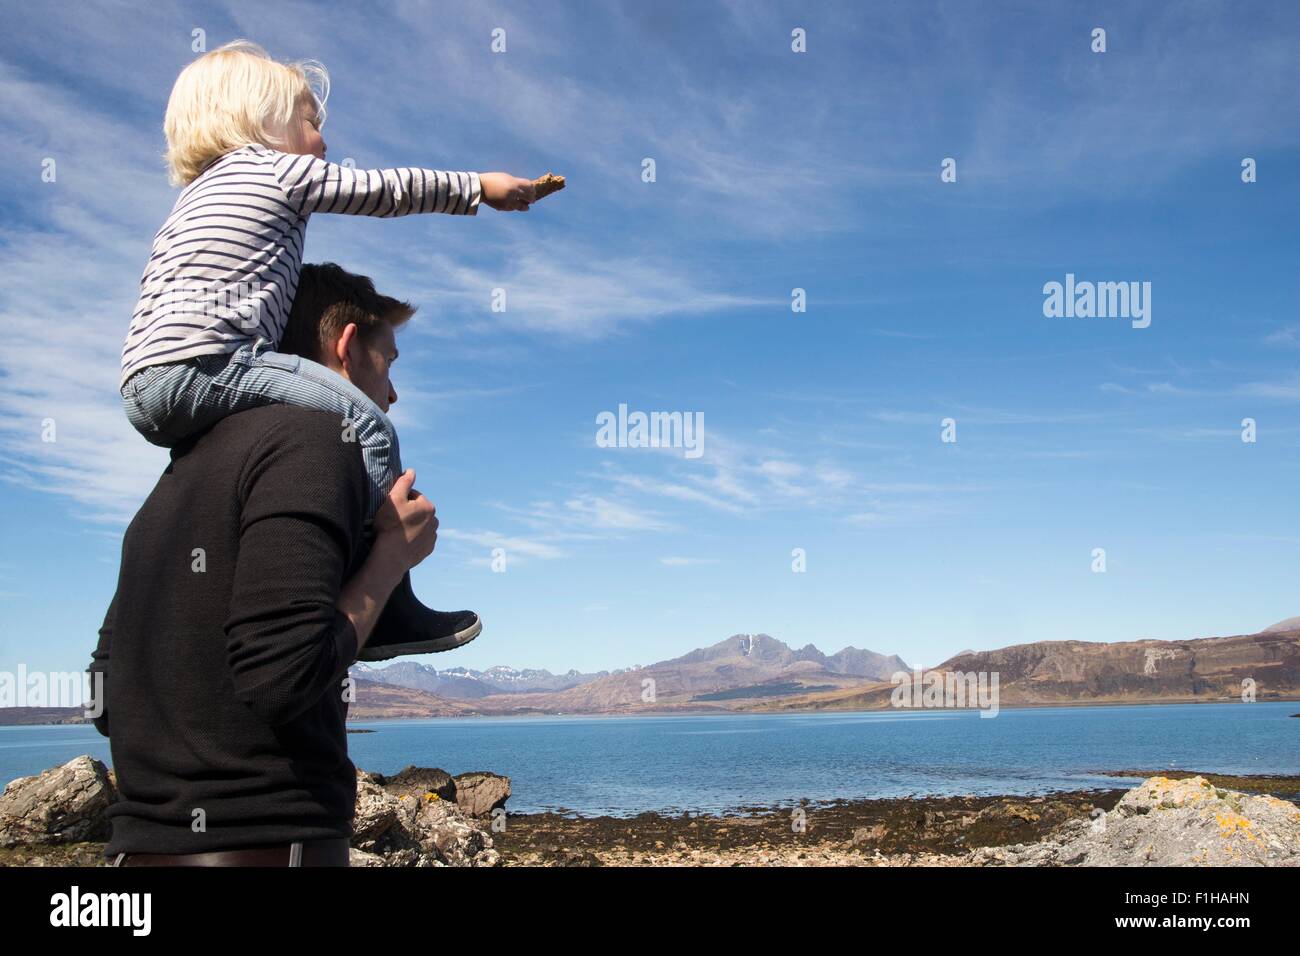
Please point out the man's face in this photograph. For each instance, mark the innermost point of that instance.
(370, 362)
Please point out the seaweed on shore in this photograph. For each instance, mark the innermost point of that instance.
(945, 825)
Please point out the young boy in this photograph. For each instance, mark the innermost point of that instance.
(243, 137)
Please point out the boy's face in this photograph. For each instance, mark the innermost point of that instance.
(305, 131)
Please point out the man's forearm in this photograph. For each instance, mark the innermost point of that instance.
(363, 598)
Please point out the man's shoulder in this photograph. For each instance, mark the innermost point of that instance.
(316, 437)
(284, 423)
(289, 451)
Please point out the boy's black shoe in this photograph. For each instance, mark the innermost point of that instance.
(408, 627)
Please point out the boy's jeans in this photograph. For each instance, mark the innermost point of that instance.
(168, 403)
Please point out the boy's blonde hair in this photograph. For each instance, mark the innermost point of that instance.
(233, 96)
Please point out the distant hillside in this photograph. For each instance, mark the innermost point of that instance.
(1074, 672)
(379, 701)
(19, 716)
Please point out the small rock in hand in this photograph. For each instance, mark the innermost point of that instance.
(546, 185)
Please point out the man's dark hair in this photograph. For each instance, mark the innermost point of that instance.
(328, 299)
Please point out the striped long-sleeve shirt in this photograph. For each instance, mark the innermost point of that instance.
(224, 267)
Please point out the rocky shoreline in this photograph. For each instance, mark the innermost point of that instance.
(901, 831)
(1162, 822)
(426, 817)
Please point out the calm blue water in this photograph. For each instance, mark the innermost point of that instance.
(623, 765)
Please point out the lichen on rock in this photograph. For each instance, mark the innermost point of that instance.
(1164, 822)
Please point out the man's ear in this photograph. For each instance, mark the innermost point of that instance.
(344, 344)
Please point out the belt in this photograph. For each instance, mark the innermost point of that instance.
(330, 852)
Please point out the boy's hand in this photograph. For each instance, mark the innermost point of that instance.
(406, 525)
(506, 193)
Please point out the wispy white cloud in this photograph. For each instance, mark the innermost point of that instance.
(1284, 389)
(1287, 391)
(743, 479)
(1287, 337)
(513, 545)
(888, 514)
(602, 514)
(563, 287)
(672, 489)
(556, 528)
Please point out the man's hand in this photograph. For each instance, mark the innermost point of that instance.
(506, 193)
(406, 525)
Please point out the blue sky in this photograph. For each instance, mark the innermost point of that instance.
(775, 171)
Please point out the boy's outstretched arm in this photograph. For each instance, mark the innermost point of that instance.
(313, 185)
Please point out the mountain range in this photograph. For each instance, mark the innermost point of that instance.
(742, 667)
(756, 672)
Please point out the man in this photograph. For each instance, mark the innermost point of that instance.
(248, 585)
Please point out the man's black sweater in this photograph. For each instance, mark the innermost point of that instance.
(223, 652)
